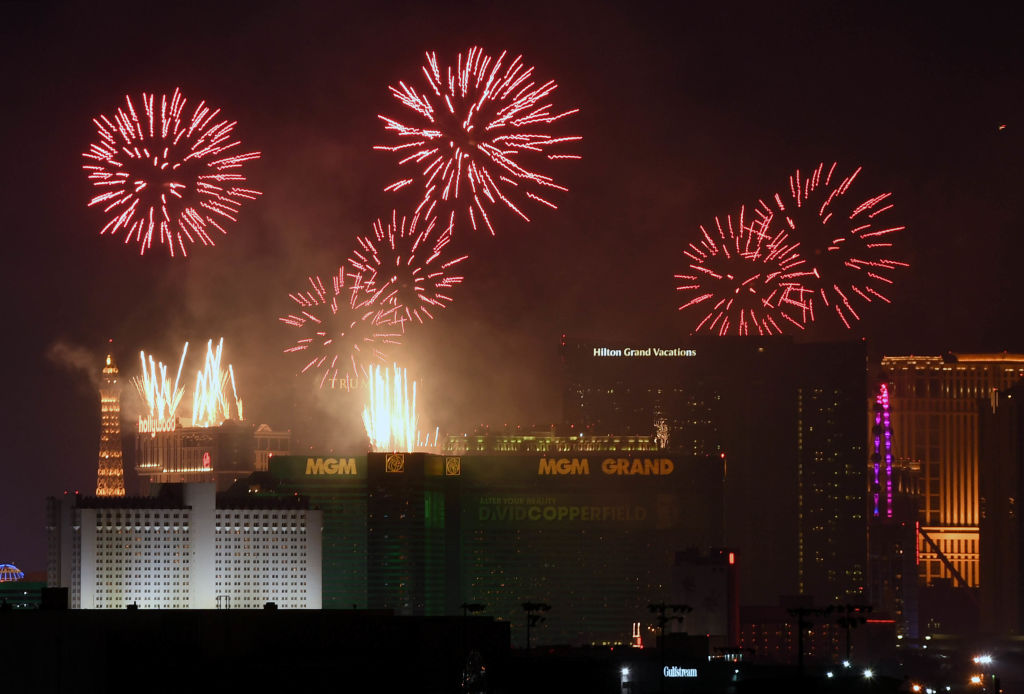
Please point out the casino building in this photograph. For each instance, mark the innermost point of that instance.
(593, 534)
(221, 454)
(935, 404)
(788, 421)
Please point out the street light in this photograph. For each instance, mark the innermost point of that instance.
(868, 674)
(986, 660)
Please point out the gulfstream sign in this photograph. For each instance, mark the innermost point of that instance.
(643, 352)
(609, 466)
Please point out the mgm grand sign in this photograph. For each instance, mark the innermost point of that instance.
(607, 466)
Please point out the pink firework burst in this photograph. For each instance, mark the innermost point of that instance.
(342, 334)
(845, 240)
(403, 270)
(160, 174)
(477, 135)
(744, 281)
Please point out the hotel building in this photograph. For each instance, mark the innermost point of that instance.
(185, 548)
(935, 427)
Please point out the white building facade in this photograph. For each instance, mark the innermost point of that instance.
(179, 550)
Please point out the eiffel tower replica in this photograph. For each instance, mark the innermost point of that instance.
(110, 471)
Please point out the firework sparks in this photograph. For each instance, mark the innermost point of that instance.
(161, 174)
(160, 395)
(847, 245)
(475, 136)
(745, 281)
(343, 333)
(210, 405)
(390, 415)
(403, 270)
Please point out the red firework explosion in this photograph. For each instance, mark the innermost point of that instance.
(402, 270)
(847, 246)
(477, 136)
(342, 333)
(745, 281)
(160, 174)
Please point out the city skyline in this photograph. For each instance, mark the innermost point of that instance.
(685, 116)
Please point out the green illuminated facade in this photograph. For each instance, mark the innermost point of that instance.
(593, 534)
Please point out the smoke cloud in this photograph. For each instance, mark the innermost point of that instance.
(77, 360)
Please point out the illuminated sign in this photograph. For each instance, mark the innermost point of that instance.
(395, 462)
(330, 466)
(453, 467)
(563, 466)
(207, 463)
(637, 466)
(347, 384)
(529, 509)
(154, 425)
(609, 466)
(643, 352)
(675, 671)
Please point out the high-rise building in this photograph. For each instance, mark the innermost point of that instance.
(1001, 488)
(786, 418)
(935, 427)
(592, 533)
(893, 500)
(110, 469)
(186, 548)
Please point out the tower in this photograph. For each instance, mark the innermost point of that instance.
(110, 470)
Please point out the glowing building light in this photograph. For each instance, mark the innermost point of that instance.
(10, 573)
(882, 457)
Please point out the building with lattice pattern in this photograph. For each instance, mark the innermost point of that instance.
(186, 547)
(110, 469)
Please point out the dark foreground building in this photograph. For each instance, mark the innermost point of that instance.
(788, 421)
(1001, 487)
(268, 650)
(593, 534)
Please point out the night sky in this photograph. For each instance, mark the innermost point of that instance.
(686, 113)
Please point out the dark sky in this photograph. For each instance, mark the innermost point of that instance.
(687, 112)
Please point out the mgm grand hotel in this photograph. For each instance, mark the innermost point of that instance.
(592, 534)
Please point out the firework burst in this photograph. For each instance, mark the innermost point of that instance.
(846, 242)
(160, 394)
(403, 271)
(161, 174)
(210, 404)
(343, 333)
(744, 281)
(390, 416)
(476, 136)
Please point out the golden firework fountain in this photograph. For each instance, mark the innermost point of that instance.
(390, 415)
